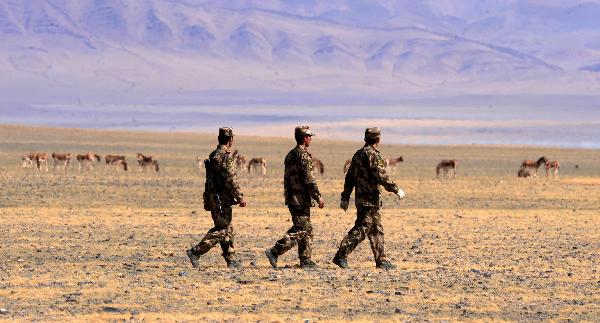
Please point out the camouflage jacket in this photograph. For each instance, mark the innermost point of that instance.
(224, 178)
(366, 173)
(299, 182)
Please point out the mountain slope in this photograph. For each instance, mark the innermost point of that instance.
(74, 48)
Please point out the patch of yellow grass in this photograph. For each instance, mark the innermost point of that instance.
(582, 181)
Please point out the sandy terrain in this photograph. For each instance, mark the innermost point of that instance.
(108, 245)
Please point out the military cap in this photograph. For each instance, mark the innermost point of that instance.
(303, 130)
(226, 132)
(372, 133)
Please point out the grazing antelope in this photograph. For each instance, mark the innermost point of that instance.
(27, 160)
(526, 173)
(391, 163)
(88, 159)
(64, 159)
(446, 165)
(141, 156)
(256, 164)
(555, 167)
(117, 160)
(318, 165)
(347, 165)
(240, 161)
(145, 161)
(41, 158)
(534, 164)
(111, 158)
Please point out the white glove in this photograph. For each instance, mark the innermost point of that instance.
(401, 194)
(344, 205)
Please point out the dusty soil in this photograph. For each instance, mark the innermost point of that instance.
(107, 245)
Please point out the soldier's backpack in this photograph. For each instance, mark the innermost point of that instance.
(211, 197)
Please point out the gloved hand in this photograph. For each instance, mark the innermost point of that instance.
(344, 205)
(321, 204)
(401, 194)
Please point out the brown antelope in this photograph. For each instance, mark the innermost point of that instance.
(526, 173)
(318, 166)
(240, 161)
(88, 159)
(256, 164)
(145, 161)
(534, 164)
(117, 160)
(41, 158)
(111, 158)
(141, 156)
(446, 165)
(347, 165)
(63, 159)
(555, 167)
(27, 160)
(391, 163)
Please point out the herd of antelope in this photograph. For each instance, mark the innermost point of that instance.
(529, 168)
(446, 167)
(86, 161)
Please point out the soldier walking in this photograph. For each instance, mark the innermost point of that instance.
(300, 189)
(221, 191)
(366, 173)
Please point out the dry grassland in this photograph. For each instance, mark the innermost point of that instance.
(110, 245)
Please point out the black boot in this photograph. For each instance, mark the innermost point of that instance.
(193, 258)
(234, 264)
(272, 258)
(306, 263)
(385, 265)
(342, 263)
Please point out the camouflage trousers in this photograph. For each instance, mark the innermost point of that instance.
(367, 224)
(300, 233)
(222, 233)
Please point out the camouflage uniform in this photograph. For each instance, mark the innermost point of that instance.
(300, 188)
(366, 173)
(221, 192)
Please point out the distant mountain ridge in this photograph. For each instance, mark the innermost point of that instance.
(91, 48)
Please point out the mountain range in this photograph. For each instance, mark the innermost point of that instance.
(185, 50)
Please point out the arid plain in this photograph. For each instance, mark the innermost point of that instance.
(111, 245)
